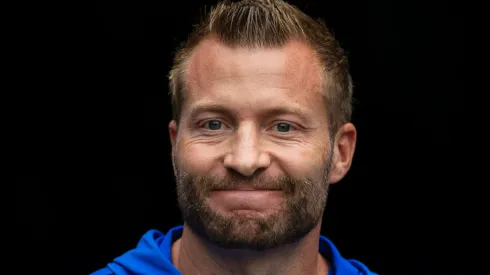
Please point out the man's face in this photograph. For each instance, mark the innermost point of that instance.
(252, 150)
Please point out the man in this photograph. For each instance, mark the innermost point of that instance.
(261, 96)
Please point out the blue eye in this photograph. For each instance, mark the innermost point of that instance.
(213, 124)
(283, 127)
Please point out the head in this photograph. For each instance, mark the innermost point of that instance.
(261, 98)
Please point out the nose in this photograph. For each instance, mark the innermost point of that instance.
(246, 156)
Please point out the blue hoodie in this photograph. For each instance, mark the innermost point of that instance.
(152, 256)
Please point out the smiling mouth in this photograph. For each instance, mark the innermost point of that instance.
(247, 188)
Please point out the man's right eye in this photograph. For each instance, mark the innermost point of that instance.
(212, 125)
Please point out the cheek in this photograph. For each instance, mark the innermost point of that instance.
(302, 161)
(197, 157)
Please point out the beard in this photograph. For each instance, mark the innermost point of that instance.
(302, 208)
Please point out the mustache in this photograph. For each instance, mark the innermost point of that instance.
(209, 183)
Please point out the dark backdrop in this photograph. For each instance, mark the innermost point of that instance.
(95, 155)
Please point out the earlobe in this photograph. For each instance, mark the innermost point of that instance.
(344, 147)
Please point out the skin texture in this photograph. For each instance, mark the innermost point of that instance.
(253, 159)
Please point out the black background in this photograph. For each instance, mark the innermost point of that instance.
(94, 153)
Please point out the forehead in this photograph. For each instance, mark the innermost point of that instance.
(211, 59)
(237, 74)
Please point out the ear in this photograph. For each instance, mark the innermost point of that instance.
(173, 129)
(343, 152)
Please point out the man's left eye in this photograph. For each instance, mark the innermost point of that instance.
(283, 127)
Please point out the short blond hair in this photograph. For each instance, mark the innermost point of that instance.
(270, 23)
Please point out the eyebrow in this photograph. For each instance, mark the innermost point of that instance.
(282, 109)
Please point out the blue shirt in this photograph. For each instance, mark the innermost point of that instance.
(152, 256)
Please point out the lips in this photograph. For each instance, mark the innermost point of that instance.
(247, 188)
(246, 198)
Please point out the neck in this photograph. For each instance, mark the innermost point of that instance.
(193, 255)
